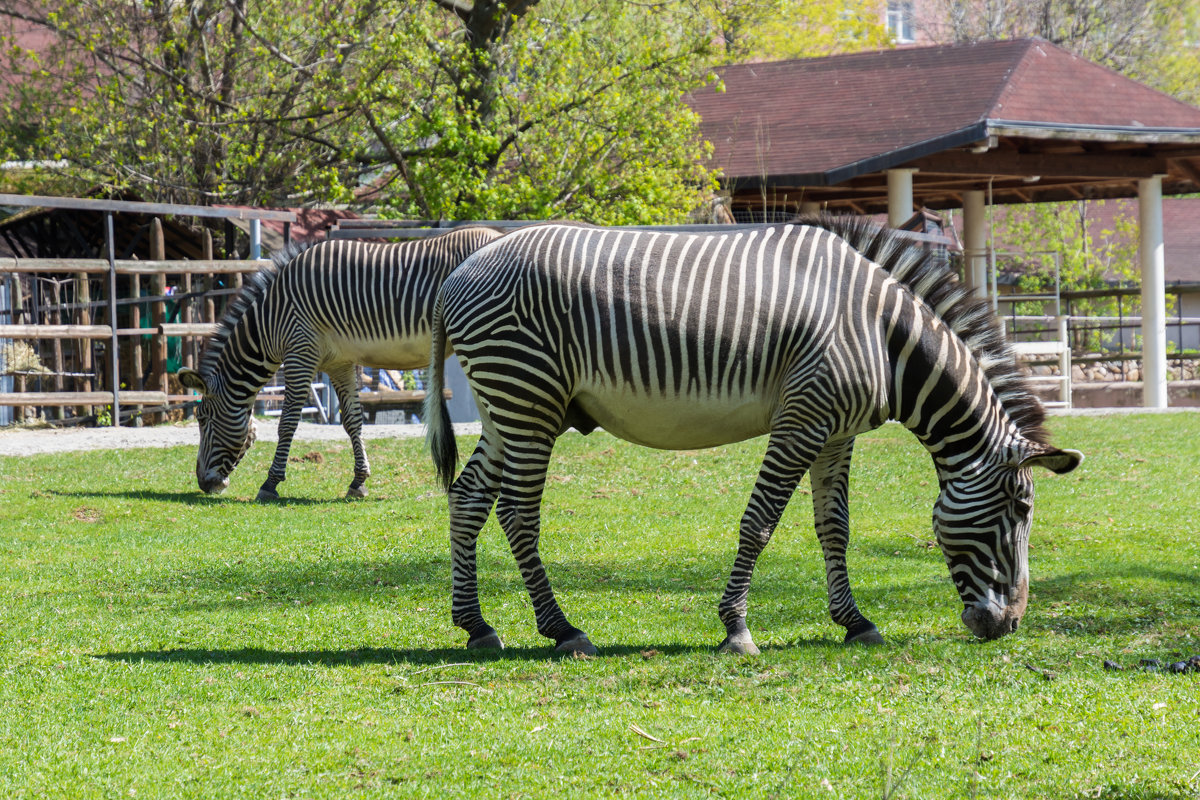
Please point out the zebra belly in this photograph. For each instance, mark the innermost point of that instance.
(674, 422)
(410, 352)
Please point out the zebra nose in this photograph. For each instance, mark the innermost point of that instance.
(213, 483)
(986, 624)
(1013, 624)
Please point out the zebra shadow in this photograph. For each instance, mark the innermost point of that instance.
(366, 656)
(198, 498)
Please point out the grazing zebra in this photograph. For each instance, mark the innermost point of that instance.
(323, 308)
(809, 333)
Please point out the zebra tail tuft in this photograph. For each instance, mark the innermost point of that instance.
(439, 433)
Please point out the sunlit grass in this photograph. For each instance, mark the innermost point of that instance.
(159, 643)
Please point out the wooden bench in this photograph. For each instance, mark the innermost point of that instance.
(407, 400)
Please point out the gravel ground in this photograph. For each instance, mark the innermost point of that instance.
(15, 441)
(26, 441)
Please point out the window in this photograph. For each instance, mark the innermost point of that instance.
(900, 21)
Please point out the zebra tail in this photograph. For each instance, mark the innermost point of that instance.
(439, 433)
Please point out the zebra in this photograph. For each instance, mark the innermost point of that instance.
(321, 307)
(810, 333)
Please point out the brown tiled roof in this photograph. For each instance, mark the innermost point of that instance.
(825, 121)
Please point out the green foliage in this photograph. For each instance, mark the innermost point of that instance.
(1045, 238)
(1173, 65)
(576, 113)
(785, 29)
(155, 642)
(464, 110)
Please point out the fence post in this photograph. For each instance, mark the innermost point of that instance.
(210, 305)
(1064, 360)
(83, 291)
(114, 355)
(158, 315)
(56, 318)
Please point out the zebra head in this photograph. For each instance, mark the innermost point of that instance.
(226, 431)
(982, 523)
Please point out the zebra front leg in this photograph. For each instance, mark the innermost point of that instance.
(297, 380)
(345, 383)
(786, 459)
(471, 498)
(519, 511)
(830, 476)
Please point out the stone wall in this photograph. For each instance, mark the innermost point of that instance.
(1118, 384)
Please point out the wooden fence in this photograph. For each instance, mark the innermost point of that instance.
(128, 328)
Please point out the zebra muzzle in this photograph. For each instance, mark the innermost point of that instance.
(990, 622)
(214, 483)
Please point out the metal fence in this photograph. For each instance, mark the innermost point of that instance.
(1103, 327)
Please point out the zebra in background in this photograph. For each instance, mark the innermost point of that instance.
(320, 308)
(811, 333)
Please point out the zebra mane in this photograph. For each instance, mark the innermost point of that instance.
(970, 317)
(253, 290)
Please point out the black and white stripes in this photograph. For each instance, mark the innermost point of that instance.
(326, 308)
(808, 333)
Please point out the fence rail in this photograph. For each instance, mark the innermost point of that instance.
(58, 325)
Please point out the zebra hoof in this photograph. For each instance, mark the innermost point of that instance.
(487, 641)
(739, 644)
(579, 646)
(356, 492)
(868, 635)
(266, 495)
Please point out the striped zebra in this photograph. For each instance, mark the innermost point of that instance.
(325, 307)
(809, 333)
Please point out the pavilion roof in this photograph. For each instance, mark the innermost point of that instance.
(1025, 118)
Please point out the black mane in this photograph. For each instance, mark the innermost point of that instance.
(253, 290)
(970, 317)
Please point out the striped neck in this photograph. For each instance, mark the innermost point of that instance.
(940, 392)
(247, 358)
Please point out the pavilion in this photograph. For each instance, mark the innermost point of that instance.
(956, 126)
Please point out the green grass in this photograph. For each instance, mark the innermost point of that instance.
(158, 643)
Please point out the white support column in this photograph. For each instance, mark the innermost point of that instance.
(255, 239)
(1154, 300)
(975, 241)
(900, 196)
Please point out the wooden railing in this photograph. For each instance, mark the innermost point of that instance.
(159, 330)
(199, 314)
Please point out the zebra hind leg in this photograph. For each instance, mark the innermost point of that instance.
(345, 383)
(519, 511)
(830, 476)
(786, 460)
(471, 498)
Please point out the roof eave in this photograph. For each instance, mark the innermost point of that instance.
(1095, 133)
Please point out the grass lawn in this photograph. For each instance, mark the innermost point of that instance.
(155, 642)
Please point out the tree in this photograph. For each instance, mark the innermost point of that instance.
(782, 29)
(573, 111)
(191, 102)
(446, 108)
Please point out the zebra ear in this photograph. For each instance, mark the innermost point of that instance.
(192, 380)
(1057, 461)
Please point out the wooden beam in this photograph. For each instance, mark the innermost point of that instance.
(959, 162)
(1188, 168)
(99, 265)
(55, 331)
(79, 398)
(187, 328)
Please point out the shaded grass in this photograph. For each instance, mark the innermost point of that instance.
(163, 643)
